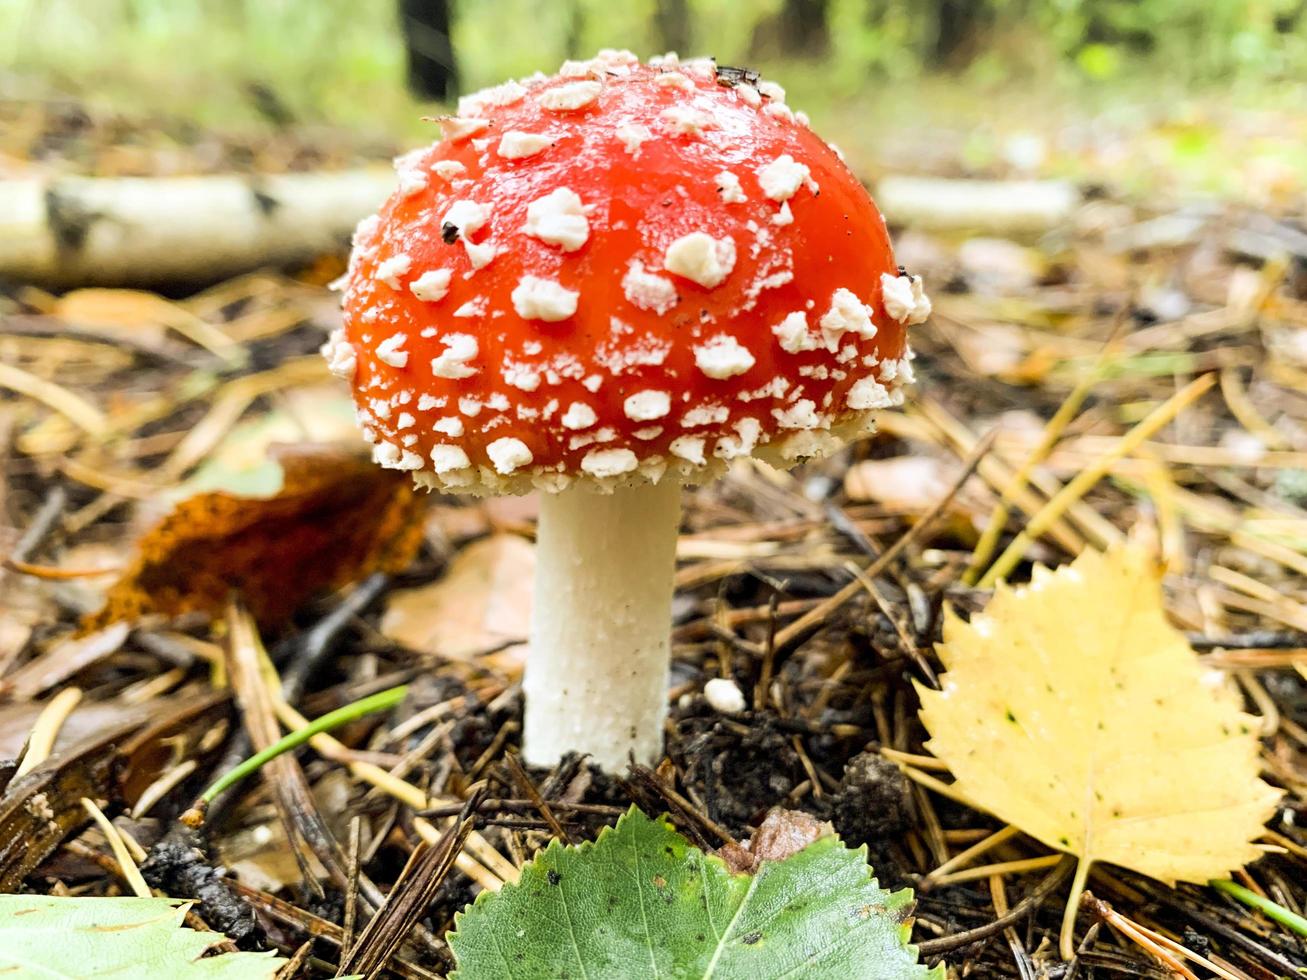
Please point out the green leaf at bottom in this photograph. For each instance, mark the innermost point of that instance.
(641, 904)
(53, 938)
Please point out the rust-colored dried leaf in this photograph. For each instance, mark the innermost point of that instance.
(738, 858)
(336, 518)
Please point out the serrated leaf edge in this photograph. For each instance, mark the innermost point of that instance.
(634, 812)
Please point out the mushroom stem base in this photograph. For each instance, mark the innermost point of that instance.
(596, 676)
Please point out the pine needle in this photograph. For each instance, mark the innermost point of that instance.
(1161, 416)
(46, 730)
(131, 873)
(1273, 911)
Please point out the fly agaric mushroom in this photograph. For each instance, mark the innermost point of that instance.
(604, 285)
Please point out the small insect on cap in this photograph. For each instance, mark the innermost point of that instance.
(620, 272)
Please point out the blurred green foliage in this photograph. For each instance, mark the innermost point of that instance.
(327, 59)
(341, 59)
(1192, 40)
(1170, 96)
(1198, 38)
(1152, 96)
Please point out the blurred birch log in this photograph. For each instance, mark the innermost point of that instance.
(987, 207)
(136, 231)
(76, 231)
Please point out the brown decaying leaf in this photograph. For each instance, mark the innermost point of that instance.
(337, 518)
(480, 604)
(261, 854)
(910, 484)
(782, 834)
(62, 660)
(785, 833)
(85, 721)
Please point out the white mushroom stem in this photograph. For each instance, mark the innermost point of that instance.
(596, 676)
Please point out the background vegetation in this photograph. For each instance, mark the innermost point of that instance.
(340, 59)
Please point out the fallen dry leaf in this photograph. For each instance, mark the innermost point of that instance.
(785, 833)
(481, 516)
(482, 603)
(996, 266)
(991, 350)
(782, 834)
(126, 313)
(1072, 709)
(86, 720)
(139, 315)
(62, 660)
(910, 484)
(243, 463)
(261, 855)
(336, 518)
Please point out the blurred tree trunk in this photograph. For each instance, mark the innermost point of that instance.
(432, 71)
(1287, 21)
(672, 23)
(959, 25)
(574, 44)
(803, 26)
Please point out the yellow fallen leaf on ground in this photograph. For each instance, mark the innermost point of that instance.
(1072, 709)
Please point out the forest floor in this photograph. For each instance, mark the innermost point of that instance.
(135, 411)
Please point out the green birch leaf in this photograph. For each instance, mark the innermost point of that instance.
(640, 903)
(42, 936)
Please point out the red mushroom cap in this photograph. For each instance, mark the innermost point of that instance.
(616, 272)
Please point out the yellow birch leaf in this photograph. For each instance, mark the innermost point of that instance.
(1072, 709)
